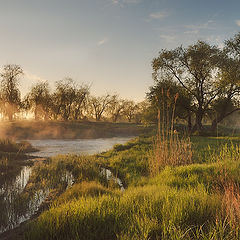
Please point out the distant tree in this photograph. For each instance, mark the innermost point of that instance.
(144, 113)
(130, 109)
(10, 93)
(116, 107)
(63, 98)
(80, 101)
(99, 105)
(38, 100)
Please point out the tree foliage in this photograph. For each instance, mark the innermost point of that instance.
(10, 93)
(204, 71)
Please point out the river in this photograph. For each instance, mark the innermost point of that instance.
(51, 147)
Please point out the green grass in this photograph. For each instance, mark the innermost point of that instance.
(184, 202)
(137, 214)
(56, 172)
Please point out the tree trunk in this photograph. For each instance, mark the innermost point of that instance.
(198, 124)
(189, 122)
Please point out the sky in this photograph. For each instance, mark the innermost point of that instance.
(108, 44)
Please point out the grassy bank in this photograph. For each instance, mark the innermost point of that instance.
(196, 201)
(12, 158)
(67, 130)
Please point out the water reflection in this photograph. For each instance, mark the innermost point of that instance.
(17, 205)
(52, 147)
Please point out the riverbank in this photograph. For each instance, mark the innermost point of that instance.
(68, 130)
(180, 202)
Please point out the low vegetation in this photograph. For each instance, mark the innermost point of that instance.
(12, 157)
(194, 201)
(179, 183)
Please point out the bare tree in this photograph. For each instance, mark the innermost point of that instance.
(80, 101)
(64, 97)
(130, 109)
(99, 105)
(116, 107)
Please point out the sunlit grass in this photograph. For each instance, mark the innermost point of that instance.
(181, 202)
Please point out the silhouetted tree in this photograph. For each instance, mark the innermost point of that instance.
(38, 100)
(116, 107)
(99, 105)
(63, 98)
(80, 101)
(10, 93)
(130, 109)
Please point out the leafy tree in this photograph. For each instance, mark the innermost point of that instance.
(80, 101)
(116, 107)
(227, 102)
(162, 96)
(10, 94)
(63, 98)
(196, 69)
(38, 100)
(130, 109)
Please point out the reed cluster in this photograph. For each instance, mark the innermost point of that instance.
(169, 147)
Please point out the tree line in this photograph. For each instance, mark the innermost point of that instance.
(205, 77)
(68, 101)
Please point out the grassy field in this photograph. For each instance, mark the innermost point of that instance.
(195, 201)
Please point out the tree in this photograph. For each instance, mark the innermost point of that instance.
(99, 105)
(196, 69)
(130, 109)
(10, 94)
(162, 96)
(38, 100)
(116, 107)
(80, 101)
(63, 98)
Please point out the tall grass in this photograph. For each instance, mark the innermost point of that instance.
(181, 202)
(168, 147)
(196, 201)
(7, 145)
(148, 212)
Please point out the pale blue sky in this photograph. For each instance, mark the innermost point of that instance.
(108, 43)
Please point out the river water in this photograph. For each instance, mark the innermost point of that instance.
(12, 210)
(51, 147)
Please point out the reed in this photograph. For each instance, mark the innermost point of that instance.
(169, 148)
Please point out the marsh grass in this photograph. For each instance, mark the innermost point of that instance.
(190, 201)
(62, 171)
(148, 212)
(10, 146)
(181, 202)
(169, 149)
